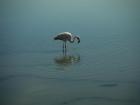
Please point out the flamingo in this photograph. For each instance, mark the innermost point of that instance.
(66, 36)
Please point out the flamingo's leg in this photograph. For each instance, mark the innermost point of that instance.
(65, 45)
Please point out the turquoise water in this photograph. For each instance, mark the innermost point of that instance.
(102, 70)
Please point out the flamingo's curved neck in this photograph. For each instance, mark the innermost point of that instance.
(73, 39)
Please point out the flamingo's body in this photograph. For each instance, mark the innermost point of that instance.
(67, 36)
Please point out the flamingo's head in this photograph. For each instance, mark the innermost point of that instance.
(78, 39)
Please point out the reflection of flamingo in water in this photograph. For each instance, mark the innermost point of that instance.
(66, 36)
(67, 60)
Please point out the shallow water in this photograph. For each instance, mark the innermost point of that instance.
(80, 77)
(102, 69)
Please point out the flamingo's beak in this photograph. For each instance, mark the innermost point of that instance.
(78, 39)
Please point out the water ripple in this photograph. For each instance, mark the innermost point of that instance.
(100, 99)
(109, 82)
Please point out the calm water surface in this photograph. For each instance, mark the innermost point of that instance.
(102, 70)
